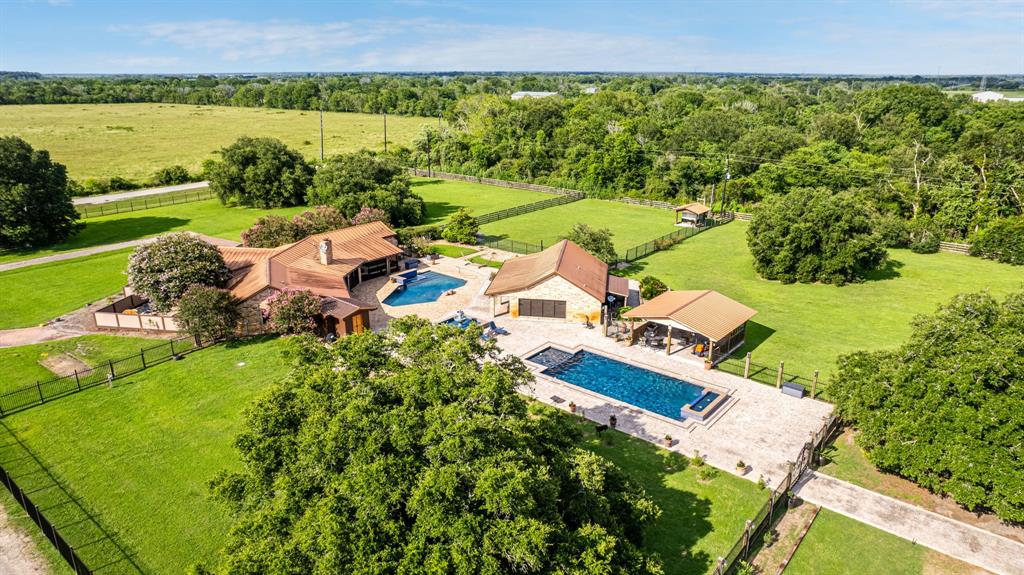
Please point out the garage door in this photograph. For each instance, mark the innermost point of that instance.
(542, 308)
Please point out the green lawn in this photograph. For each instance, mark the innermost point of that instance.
(630, 225)
(810, 325)
(138, 457)
(208, 217)
(700, 521)
(486, 262)
(445, 197)
(135, 140)
(19, 366)
(35, 294)
(454, 251)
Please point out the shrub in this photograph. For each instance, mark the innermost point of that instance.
(706, 473)
(164, 269)
(171, 176)
(1002, 240)
(35, 197)
(294, 311)
(119, 184)
(623, 310)
(355, 181)
(651, 287)
(462, 228)
(269, 232)
(812, 235)
(317, 221)
(259, 172)
(367, 215)
(208, 313)
(598, 242)
(421, 246)
(923, 235)
(943, 409)
(893, 230)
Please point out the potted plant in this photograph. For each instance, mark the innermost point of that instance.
(741, 466)
(613, 421)
(794, 501)
(707, 363)
(572, 407)
(668, 441)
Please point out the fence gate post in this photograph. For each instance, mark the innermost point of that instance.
(746, 367)
(778, 378)
(172, 347)
(746, 539)
(142, 354)
(110, 364)
(78, 382)
(40, 391)
(814, 385)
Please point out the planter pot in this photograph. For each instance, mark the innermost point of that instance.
(707, 365)
(794, 502)
(668, 442)
(572, 408)
(742, 470)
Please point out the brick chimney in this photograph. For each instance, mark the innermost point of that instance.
(326, 251)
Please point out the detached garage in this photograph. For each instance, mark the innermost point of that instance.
(562, 282)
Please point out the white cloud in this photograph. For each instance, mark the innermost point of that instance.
(143, 62)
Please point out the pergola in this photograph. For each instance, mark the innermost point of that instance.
(702, 316)
(693, 214)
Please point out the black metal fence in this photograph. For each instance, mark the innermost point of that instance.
(43, 391)
(514, 246)
(668, 240)
(51, 533)
(144, 202)
(769, 375)
(777, 505)
(567, 198)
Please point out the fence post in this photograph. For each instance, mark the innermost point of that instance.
(142, 354)
(78, 382)
(720, 568)
(110, 364)
(778, 378)
(40, 391)
(746, 367)
(198, 342)
(814, 385)
(746, 539)
(171, 342)
(771, 509)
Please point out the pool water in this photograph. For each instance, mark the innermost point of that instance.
(704, 401)
(423, 288)
(630, 384)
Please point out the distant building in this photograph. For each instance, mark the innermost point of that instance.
(990, 96)
(590, 90)
(521, 95)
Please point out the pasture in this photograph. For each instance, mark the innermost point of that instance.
(135, 140)
(809, 325)
(138, 456)
(445, 197)
(630, 224)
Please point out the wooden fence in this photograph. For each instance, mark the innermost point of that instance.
(955, 248)
(493, 182)
(648, 203)
(567, 198)
(122, 315)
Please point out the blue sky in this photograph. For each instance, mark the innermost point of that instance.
(78, 36)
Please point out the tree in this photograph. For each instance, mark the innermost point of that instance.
(294, 311)
(269, 231)
(172, 175)
(352, 182)
(208, 313)
(944, 409)
(164, 269)
(261, 173)
(462, 228)
(811, 235)
(1002, 240)
(35, 197)
(923, 235)
(598, 242)
(651, 287)
(367, 215)
(409, 451)
(317, 221)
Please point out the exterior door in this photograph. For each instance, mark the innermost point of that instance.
(358, 325)
(552, 308)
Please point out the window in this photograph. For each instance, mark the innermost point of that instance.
(542, 308)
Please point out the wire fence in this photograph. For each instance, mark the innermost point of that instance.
(43, 391)
(48, 529)
(144, 203)
(668, 240)
(778, 503)
(514, 246)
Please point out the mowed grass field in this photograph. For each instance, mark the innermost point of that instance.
(21, 366)
(445, 197)
(138, 457)
(809, 325)
(135, 140)
(838, 545)
(630, 225)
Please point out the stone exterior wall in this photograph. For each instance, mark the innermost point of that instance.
(250, 308)
(579, 305)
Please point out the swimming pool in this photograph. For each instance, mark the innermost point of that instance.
(422, 288)
(628, 383)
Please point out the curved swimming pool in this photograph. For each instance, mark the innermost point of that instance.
(424, 287)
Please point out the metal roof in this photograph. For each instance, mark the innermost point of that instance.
(704, 311)
(694, 208)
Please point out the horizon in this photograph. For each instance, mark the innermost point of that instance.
(871, 39)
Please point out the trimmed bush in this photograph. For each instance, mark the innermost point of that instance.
(171, 176)
(164, 269)
(651, 287)
(1002, 240)
(462, 228)
(209, 313)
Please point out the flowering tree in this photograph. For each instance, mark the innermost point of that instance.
(293, 311)
(317, 221)
(164, 269)
(368, 214)
(272, 231)
(208, 313)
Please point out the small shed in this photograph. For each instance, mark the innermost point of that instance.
(692, 215)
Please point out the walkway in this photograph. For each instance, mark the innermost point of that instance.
(85, 200)
(965, 542)
(101, 249)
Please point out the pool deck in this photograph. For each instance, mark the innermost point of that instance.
(758, 425)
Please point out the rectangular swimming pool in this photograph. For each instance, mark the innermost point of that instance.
(618, 380)
(422, 287)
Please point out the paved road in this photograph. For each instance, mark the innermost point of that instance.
(103, 248)
(138, 193)
(949, 536)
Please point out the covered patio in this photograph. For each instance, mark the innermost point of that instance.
(702, 323)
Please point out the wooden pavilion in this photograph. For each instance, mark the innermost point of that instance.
(693, 215)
